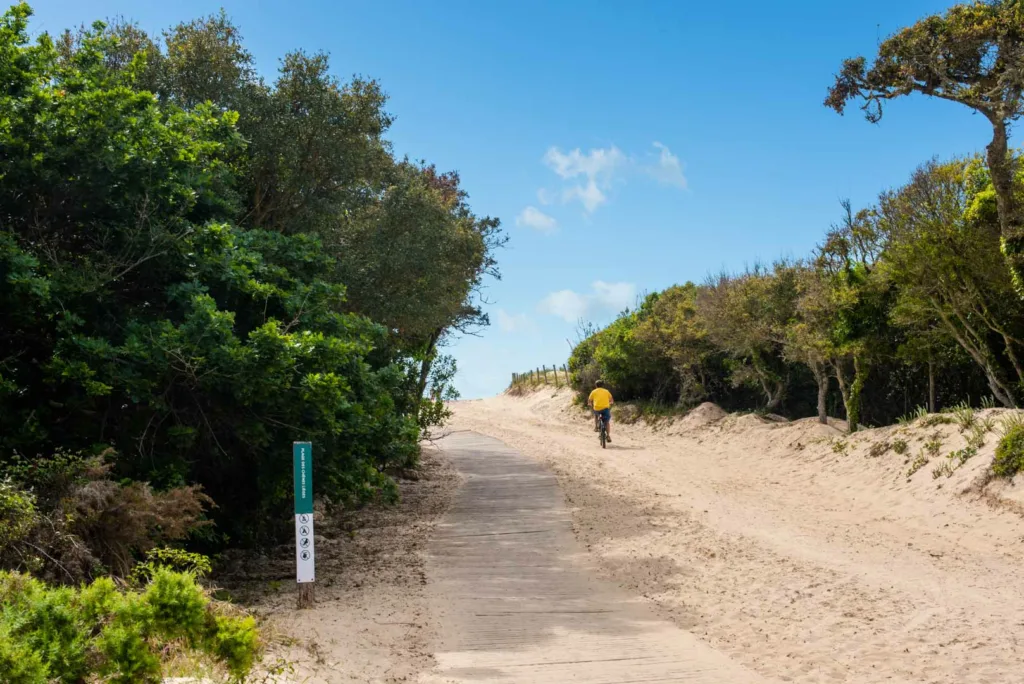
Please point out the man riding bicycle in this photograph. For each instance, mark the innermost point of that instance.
(600, 402)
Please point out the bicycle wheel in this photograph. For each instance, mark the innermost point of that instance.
(604, 436)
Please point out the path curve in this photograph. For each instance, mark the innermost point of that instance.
(518, 600)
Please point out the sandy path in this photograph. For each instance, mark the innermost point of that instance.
(805, 561)
(517, 600)
(373, 621)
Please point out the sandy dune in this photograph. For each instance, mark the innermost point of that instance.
(790, 546)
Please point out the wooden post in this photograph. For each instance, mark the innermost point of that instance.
(306, 595)
(555, 368)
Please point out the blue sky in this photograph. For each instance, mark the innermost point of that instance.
(625, 146)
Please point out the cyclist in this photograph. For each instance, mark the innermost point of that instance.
(600, 402)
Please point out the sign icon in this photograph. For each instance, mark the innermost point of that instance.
(304, 555)
(303, 518)
(304, 542)
(304, 531)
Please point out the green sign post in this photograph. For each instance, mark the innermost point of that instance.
(302, 462)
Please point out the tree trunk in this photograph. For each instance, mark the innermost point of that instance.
(821, 377)
(851, 392)
(982, 356)
(860, 372)
(931, 386)
(428, 360)
(1001, 170)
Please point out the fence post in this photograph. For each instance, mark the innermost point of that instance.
(555, 368)
(565, 369)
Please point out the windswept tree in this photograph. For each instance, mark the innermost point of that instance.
(941, 234)
(973, 55)
(854, 304)
(746, 317)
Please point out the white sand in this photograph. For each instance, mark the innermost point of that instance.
(804, 563)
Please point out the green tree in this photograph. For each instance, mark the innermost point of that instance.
(973, 54)
(942, 254)
(747, 317)
(138, 315)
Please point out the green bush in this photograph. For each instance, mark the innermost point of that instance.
(19, 663)
(17, 514)
(67, 635)
(1009, 458)
(178, 560)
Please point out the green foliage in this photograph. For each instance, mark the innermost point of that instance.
(208, 273)
(17, 514)
(920, 462)
(899, 446)
(178, 560)
(839, 446)
(934, 419)
(934, 445)
(19, 662)
(942, 469)
(1009, 459)
(964, 416)
(956, 56)
(65, 634)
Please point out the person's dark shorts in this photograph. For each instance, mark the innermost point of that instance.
(606, 414)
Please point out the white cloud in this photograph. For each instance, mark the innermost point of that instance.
(591, 174)
(536, 219)
(565, 304)
(513, 322)
(595, 168)
(590, 195)
(603, 297)
(596, 163)
(614, 296)
(668, 169)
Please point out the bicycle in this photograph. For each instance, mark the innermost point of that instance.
(603, 432)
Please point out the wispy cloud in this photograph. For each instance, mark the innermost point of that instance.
(591, 172)
(532, 217)
(614, 296)
(512, 323)
(591, 175)
(565, 304)
(603, 297)
(667, 169)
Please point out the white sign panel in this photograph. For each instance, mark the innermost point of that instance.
(304, 553)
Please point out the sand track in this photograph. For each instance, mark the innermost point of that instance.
(788, 546)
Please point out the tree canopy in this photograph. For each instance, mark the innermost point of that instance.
(198, 268)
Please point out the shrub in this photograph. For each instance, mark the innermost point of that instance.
(178, 560)
(963, 414)
(17, 514)
(19, 663)
(87, 523)
(878, 449)
(71, 635)
(839, 447)
(899, 446)
(920, 462)
(937, 419)
(1009, 458)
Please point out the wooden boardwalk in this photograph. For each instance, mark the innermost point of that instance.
(518, 600)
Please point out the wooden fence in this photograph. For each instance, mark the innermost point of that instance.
(557, 376)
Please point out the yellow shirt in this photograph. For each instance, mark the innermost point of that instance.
(601, 398)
